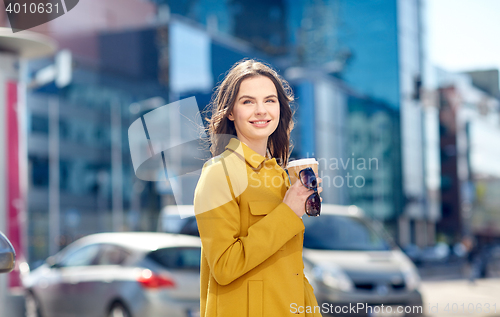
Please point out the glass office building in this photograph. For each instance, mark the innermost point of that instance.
(260, 22)
(79, 160)
(356, 142)
(377, 49)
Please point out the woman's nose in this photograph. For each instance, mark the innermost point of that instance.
(261, 108)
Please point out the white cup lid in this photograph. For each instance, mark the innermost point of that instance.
(306, 161)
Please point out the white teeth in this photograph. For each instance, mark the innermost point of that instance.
(259, 122)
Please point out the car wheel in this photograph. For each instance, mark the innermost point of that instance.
(32, 306)
(118, 311)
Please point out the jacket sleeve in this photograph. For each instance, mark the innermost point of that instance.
(310, 299)
(228, 254)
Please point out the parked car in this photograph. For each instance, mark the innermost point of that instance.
(132, 274)
(414, 252)
(178, 219)
(438, 253)
(7, 255)
(348, 260)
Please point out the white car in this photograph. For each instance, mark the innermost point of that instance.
(349, 260)
(129, 274)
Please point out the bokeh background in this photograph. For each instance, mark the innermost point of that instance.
(397, 99)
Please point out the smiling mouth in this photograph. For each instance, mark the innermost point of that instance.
(260, 122)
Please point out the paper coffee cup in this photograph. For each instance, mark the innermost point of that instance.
(294, 167)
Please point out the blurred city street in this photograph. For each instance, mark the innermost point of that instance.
(103, 130)
(461, 297)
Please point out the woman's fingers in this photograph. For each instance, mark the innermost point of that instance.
(320, 189)
(297, 195)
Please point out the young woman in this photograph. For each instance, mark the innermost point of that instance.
(249, 217)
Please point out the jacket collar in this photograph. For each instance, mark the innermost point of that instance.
(253, 158)
(240, 148)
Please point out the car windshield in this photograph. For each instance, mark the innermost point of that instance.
(172, 223)
(336, 232)
(182, 258)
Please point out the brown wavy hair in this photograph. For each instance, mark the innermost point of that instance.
(221, 129)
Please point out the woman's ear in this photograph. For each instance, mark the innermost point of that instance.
(230, 116)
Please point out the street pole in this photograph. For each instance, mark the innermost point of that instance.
(54, 207)
(116, 166)
(23, 153)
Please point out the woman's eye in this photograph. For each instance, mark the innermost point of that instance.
(246, 102)
(271, 100)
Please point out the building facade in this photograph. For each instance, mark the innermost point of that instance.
(358, 100)
(470, 134)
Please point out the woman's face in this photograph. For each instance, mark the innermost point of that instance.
(256, 111)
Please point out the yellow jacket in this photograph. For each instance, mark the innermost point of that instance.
(251, 241)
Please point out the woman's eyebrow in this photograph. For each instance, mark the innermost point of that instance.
(250, 97)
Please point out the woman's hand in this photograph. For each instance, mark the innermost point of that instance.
(296, 196)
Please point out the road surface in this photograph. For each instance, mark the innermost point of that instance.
(461, 297)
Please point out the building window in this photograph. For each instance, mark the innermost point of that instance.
(40, 171)
(39, 124)
(64, 130)
(64, 175)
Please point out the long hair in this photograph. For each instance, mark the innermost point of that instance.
(221, 129)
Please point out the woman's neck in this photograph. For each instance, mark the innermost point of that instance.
(259, 147)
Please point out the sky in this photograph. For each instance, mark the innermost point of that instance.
(464, 34)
